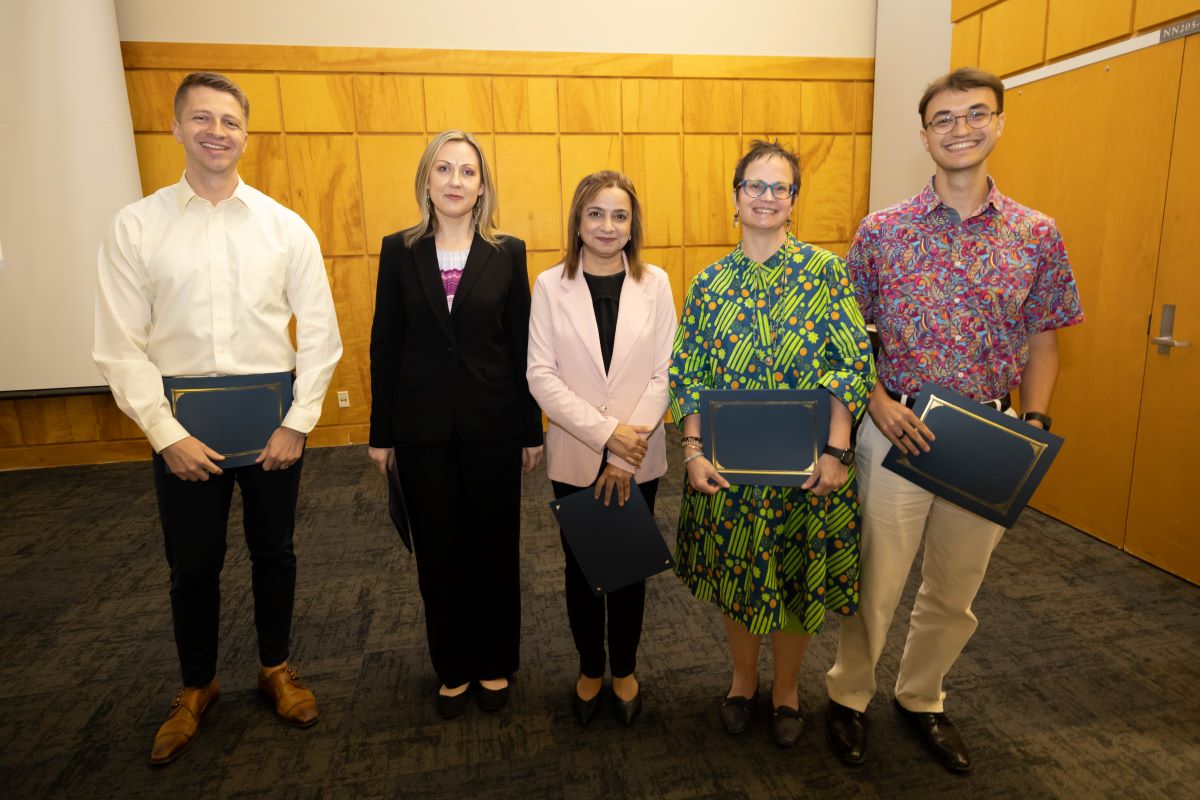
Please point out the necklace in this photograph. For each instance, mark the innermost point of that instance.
(772, 324)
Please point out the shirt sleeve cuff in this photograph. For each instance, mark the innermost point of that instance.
(301, 419)
(166, 433)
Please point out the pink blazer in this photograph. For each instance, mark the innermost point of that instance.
(566, 371)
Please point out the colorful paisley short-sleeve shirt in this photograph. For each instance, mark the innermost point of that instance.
(956, 300)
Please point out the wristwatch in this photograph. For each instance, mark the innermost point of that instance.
(1042, 418)
(844, 456)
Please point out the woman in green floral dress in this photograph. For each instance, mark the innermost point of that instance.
(774, 314)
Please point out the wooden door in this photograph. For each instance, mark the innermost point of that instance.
(1091, 148)
(1164, 524)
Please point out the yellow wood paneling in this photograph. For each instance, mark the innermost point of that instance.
(582, 155)
(1074, 25)
(10, 424)
(696, 259)
(538, 261)
(824, 203)
(111, 422)
(962, 8)
(861, 191)
(708, 163)
(529, 190)
(838, 248)
(264, 166)
(54, 420)
(389, 167)
(785, 67)
(325, 190)
(864, 107)
(317, 103)
(1013, 36)
(350, 282)
(771, 105)
(160, 160)
(589, 105)
(525, 105)
(652, 106)
(655, 165)
(62, 455)
(389, 104)
(152, 94)
(964, 42)
(670, 259)
(712, 106)
(827, 107)
(1148, 13)
(458, 102)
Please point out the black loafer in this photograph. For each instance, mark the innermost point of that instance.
(786, 726)
(450, 707)
(736, 713)
(585, 710)
(847, 730)
(627, 711)
(492, 700)
(940, 737)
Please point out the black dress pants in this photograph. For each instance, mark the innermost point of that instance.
(464, 503)
(195, 518)
(586, 612)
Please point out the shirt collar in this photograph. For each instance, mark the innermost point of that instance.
(928, 200)
(184, 193)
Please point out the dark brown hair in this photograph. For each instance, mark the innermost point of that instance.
(587, 189)
(213, 81)
(961, 80)
(763, 149)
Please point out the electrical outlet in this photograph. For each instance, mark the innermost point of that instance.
(343, 399)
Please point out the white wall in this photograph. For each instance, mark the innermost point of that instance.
(912, 48)
(738, 27)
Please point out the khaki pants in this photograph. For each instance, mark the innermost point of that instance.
(958, 545)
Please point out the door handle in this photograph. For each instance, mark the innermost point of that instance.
(1166, 329)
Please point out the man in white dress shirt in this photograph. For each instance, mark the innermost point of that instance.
(202, 278)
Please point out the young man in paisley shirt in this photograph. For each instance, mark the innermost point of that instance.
(967, 289)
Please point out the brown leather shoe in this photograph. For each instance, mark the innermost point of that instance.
(294, 704)
(177, 732)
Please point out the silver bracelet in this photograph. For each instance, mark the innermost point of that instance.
(693, 457)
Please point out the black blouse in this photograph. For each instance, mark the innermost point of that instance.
(606, 300)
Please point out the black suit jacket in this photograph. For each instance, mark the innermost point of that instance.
(436, 372)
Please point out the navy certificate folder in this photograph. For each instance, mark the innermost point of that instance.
(983, 460)
(397, 507)
(233, 414)
(614, 545)
(764, 437)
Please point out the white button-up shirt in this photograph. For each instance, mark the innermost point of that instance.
(186, 287)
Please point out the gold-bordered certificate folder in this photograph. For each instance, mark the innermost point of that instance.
(764, 437)
(233, 414)
(983, 460)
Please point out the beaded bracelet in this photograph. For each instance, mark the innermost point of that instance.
(693, 441)
(693, 457)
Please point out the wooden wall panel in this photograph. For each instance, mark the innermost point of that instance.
(151, 93)
(10, 424)
(458, 102)
(527, 177)
(1074, 25)
(962, 8)
(389, 167)
(1013, 36)
(389, 104)
(539, 261)
(655, 165)
(708, 163)
(326, 191)
(712, 106)
(581, 156)
(771, 105)
(317, 103)
(652, 106)
(589, 105)
(827, 107)
(350, 282)
(824, 204)
(264, 166)
(670, 259)
(861, 193)
(964, 42)
(1149, 13)
(695, 259)
(160, 160)
(525, 105)
(864, 107)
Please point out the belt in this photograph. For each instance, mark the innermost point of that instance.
(1000, 403)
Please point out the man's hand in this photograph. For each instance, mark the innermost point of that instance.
(191, 459)
(627, 442)
(899, 424)
(283, 449)
(830, 474)
(383, 458)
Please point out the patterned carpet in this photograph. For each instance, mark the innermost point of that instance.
(1081, 682)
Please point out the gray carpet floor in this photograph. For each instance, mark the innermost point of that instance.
(1083, 680)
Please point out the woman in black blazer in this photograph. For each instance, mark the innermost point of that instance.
(452, 412)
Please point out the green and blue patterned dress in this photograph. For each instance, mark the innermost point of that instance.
(772, 557)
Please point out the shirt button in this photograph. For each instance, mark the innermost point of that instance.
(961, 375)
(957, 300)
(769, 361)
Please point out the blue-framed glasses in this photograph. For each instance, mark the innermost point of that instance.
(779, 191)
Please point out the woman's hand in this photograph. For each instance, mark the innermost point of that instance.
(613, 478)
(828, 476)
(627, 442)
(383, 458)
(700, 472)
(530, 458)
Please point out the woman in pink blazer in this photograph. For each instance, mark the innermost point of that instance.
(600, 334)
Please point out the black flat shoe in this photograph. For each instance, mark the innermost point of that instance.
(627, 711)
(492, 700)
(736, 713)
(940, 737)
(847, 731)
(450, 707)
(585, 710)
(786, 726)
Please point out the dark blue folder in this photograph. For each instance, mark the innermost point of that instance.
(398, 507)
(764, 437)
(233, 414)
(983, 460)
(614, 545)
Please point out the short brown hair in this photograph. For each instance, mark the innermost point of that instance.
(211, 80)
(760, 148)
(961, 80)
(587, 189)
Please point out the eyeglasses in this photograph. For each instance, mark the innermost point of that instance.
(945, 121)
(778, 190)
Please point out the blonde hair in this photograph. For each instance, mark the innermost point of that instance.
(485, 207)
(587, 189)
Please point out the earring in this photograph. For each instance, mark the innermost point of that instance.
(735, 218)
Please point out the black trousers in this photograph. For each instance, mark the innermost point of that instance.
(464, 503)
(586, 612)
(195, 519)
